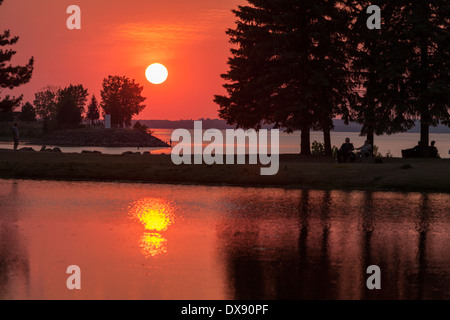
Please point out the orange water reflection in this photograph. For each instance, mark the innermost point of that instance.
(156, 215)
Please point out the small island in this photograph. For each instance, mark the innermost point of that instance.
(100, 137)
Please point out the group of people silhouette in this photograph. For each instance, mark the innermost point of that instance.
(347, 151)
(418, 151)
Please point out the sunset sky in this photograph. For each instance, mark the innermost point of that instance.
(122, 38)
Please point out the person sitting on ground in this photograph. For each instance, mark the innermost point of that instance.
(433, 151)
(418, 149)
(345, 152)
(365, 150)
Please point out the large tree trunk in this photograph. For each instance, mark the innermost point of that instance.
(371, 137)
(327, 142)
(305, 141)
(424, 108)
(424, 136)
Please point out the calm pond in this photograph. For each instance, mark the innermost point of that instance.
(147, 241)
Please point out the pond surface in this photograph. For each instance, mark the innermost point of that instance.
(147, 241)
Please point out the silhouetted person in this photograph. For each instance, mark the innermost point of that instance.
(15, 133)
(345, 152)
(366, 149)
(418, 149)
(413, 152)
(433, 151)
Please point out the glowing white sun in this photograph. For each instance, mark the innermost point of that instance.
(156, 73)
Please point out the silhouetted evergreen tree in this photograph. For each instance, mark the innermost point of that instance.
(11, 76)
(93, 112)
(426, 49)
(289, 67)
(378, 71)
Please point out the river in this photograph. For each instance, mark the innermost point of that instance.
(146, 241)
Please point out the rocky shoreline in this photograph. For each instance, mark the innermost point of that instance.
(115, 138)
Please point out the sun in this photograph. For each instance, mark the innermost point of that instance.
(156, 73)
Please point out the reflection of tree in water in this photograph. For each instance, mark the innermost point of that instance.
(423, 228)
(368, 226)
(14, 264)
(301, 271)
(320, 243)
(314, 276)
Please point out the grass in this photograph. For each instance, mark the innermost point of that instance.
(431, 175)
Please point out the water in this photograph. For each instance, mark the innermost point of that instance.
(290, 143)
(145, 241)
(392, 144)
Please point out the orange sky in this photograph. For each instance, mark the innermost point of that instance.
(122, 38)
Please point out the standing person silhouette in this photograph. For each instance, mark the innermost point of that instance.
(15, 133)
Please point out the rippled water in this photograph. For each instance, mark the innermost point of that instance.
(144, 241)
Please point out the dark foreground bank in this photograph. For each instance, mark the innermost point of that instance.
(294, 172)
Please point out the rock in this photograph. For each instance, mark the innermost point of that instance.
(146, 153)
(56, 150)
(26, 149)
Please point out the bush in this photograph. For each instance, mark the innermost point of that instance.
(376, 153)
(318, 149)
(140, 127)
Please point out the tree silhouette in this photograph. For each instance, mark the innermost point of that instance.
(403, 69)
(77, 92)
(121, 98)
(45, 102)
(289, 67)
(11, 76)
(93, 112)
(426, 48)
(68, 111)
(28, 113)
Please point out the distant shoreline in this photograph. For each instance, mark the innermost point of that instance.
(339, 125)
(405, 175)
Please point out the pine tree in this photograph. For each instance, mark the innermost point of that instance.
(289, 68)
(11, 76)
(426, 48)
(378, 72)
(93, 112)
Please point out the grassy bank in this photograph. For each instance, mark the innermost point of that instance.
(28, 130)
(393, 174)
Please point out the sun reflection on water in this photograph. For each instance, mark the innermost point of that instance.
(156, 215)
(153, 244)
